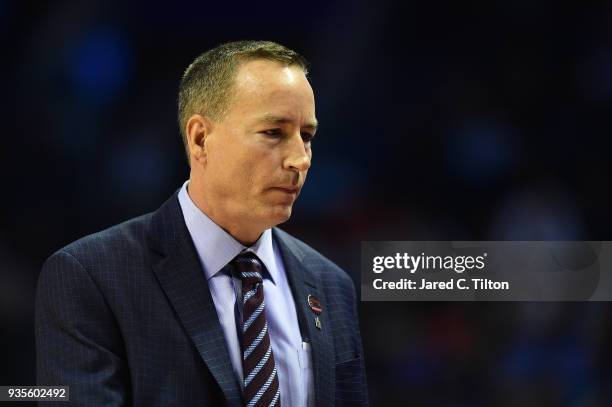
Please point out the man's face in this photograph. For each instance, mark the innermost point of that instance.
(258, 156)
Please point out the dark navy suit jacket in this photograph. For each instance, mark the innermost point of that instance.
(125, 317)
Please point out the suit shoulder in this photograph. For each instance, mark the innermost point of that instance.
(328, 270)
(123, 240)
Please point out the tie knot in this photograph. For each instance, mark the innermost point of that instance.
(249, 268)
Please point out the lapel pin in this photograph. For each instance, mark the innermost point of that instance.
(316, 308)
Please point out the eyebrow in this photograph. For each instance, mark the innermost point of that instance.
(272, 119)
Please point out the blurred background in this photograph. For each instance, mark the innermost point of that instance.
(439, 121)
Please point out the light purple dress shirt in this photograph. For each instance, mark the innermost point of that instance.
(216, 248)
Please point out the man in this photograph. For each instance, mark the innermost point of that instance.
(205, 302)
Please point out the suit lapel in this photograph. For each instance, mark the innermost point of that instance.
(304, 280)
(180, 275)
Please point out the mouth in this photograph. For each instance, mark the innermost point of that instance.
(288, 190)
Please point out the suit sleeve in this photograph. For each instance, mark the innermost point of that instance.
(351, 382)
(363, 383)
(78, 342)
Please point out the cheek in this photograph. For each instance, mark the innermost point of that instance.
(261, 168)
(246, 167)
(256, 177)
(226, 159)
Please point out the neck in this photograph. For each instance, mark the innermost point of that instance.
(245, 235)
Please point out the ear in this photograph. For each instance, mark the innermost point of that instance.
(197, 129)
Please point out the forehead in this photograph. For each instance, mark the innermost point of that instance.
(269, 87)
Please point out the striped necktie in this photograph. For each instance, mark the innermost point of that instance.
(261, 387)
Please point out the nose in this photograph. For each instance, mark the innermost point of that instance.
(298, 155)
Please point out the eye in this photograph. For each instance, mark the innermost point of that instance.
(307, 137)
(273, 133)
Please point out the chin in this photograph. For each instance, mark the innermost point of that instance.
(280, 214)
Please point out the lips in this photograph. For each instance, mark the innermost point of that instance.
(289, 190)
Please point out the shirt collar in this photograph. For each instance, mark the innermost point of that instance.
(215, 247)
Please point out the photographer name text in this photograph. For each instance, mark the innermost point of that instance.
(424, 284)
